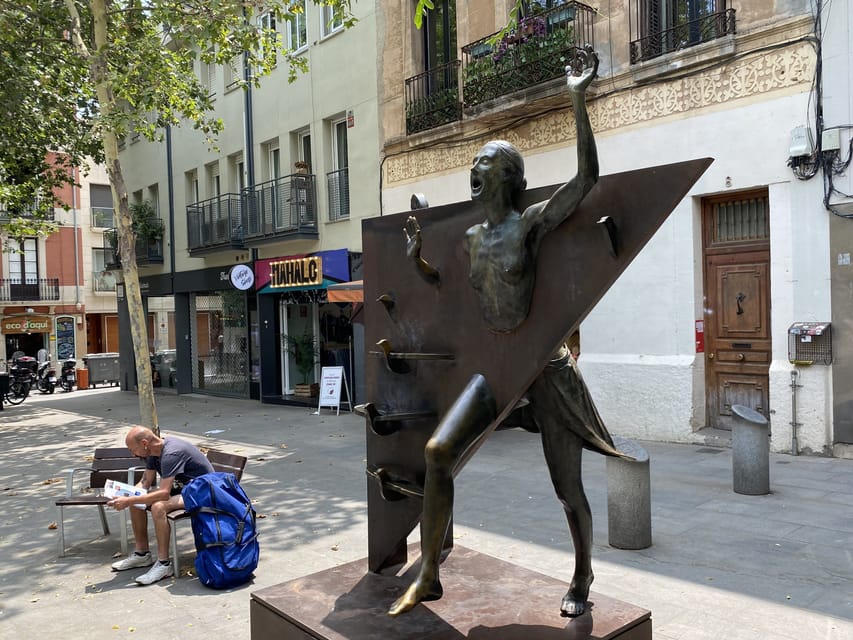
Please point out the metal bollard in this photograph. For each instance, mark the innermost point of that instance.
(629, 497)
(750, 452)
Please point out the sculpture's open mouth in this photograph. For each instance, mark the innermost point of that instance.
(476, 185)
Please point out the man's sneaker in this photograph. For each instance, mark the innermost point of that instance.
(134, 561)
(156, 573)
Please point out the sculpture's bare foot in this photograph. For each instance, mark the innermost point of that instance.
(419, 591)
(574, 602)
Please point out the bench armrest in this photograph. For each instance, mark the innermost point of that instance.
(69, 478)
(131, 474)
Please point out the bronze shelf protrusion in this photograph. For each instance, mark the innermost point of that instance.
(387, 301)
(393, 488)
(388, 423)
(609, 227)
(395, 360)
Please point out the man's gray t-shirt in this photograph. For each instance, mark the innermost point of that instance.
(179, 460)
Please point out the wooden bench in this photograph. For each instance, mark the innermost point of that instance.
(116, 463)
(225, 462)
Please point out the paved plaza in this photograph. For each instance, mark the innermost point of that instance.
(722, 565)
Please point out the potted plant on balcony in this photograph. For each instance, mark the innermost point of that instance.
(146, 222)
(305, 351)
(301, 167)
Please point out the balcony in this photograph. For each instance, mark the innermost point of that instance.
(7, 215)
(149, 249)
(338, 184)
(215, 224)
(103, 282)
(537, 51)
(432, 98)
(102, 217)
(681, 36)
(282, 208)
(29, 289)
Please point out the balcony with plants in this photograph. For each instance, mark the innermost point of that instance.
(148, 228)
(215, 224)
(432, 98)
(533, 51)
(282, 208)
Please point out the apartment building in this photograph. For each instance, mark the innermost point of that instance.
(742, 297)
(255, 231)
(55, 291)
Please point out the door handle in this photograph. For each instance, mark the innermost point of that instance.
(710, 356)
(740, 356)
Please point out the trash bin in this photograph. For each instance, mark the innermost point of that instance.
(750, 452)
(103, 368)
(629, 497)
(82, 379)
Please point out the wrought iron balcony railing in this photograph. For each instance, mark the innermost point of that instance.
(102, 217)
(338, 183)
(537, 51)
(687, 34)
(432, 98)
(216, 223)
(29, 289)
(282, 207)
(149, 250)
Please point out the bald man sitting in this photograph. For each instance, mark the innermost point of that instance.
(176, 462)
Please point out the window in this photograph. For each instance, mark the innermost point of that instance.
(305, 148)
(208, 74)
(192, 194)
(439, 35)
(214, 187)
(663, 26)
(338, 178)
(102, 279)
(24, 269)
(298, 32)
(101, 202)
(333, 20)
(267, 22)
(232, 72)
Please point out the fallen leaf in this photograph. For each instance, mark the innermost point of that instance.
(262, 515)
(131, 629)
(283, 446)
(34, 600)
(116, 627)
(334, 547)
(52, 525)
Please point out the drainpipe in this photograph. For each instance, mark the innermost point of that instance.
(170, 182)
(76, 244)
(795, 450)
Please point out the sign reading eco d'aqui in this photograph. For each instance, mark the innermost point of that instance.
(296, 272)
(31, 324)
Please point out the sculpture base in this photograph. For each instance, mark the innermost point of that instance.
(485, 598)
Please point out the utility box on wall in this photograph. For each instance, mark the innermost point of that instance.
(810, 343)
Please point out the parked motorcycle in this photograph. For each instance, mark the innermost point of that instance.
(21, 378)
(46, 377)
(67, 375)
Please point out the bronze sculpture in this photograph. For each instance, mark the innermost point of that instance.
(502, 254)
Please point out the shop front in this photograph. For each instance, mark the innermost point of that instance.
(301, 330)
(28, 332)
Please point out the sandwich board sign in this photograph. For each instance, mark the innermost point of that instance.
(332, 379)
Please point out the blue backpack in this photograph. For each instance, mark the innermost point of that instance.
(223, 522)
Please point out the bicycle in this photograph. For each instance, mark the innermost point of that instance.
(18, 391)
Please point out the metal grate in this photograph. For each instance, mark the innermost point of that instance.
(810, 343)
(338, 182)
(220, 358)
(741, 220)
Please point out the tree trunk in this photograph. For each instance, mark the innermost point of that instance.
(124, 230)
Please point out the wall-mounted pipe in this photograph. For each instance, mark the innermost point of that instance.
(795, 450)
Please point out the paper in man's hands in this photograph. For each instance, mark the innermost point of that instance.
(116, 489)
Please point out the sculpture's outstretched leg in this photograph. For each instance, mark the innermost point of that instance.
(563, 451)
(464, 423)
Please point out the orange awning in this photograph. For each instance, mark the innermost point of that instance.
(346, 291)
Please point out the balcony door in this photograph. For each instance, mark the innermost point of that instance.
(24, 270)
(339, 176)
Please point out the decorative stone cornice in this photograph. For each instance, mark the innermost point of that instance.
(727, 84)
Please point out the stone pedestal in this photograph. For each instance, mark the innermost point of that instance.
(750, 452)
(485, 598)
(629, 497)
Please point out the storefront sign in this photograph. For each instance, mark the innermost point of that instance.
(242, 277)
(65, 337)
(297, 272)
(27, 324)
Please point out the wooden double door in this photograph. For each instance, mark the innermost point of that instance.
(738, 348)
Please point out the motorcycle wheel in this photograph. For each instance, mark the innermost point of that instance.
(66, 385)
(51, 388)
(18, 392)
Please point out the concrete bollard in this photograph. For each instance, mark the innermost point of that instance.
(750, 452)
(629, 497)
